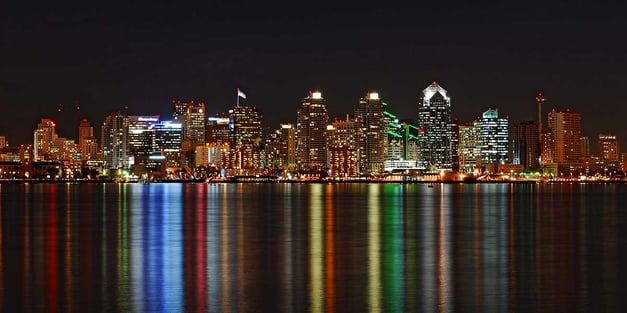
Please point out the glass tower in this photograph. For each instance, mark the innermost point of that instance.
(434, 123)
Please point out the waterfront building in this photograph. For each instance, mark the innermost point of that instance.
(140, 136)
(114, 140)
(371, 134)
(167, 139)
(455, 145)
(608, 147)
(217, 130)
(493, 137)
(524, 144)
(3, 142)
(565, 128)
(341, 140)
(194, 122)
(280, 148)
(245, 139)
(87, 144)
(469, 149)
(434, 123)
(585, 146)
(44, 135)
(311, 122)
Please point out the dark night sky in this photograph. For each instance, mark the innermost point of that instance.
(144, 54)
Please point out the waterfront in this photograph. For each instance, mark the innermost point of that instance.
(312, 247)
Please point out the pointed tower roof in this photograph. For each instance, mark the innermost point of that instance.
(432, 90)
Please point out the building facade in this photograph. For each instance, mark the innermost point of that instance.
(311, 122)
(371, 134)
(524, 139)
(434, 123)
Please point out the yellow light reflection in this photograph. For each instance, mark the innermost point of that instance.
(316, 259)
(374, 249)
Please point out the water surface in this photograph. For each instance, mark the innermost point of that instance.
(312, 247)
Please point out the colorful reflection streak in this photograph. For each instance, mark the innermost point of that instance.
(311, 247)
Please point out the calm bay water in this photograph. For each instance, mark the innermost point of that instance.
(313, 247)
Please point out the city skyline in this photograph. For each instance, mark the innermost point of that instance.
(143, 55)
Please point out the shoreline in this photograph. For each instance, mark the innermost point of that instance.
(274, 181)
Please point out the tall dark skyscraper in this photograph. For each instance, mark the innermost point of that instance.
(371, 131)
(524, 144)
(434, 122)
(311, 123)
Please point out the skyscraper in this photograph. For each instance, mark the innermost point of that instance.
(524, 144)
(608, 147)
(195, 121)
(140, 136)
(311, 123)
(167, 139)
(493, 137)
(469, 148)
(371, 134)
(342, 142)
(44, 136)
(114, 140)
(566, 133)
(434, 122)
(245, 137)
(87, 145)
(280, 148)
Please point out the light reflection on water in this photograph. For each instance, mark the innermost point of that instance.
(311, 247)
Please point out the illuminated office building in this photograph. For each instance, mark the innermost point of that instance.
(280, 148)
(434, 122)
(114, 140)
(608, 147)
(217, 130)
(194, 121)
(167, 139)
(341, 140)
(565, 127)
(140, 136)
(371, 134)
(493, 137)
(87, 144)
(3, 142)
(245, 138)
(469, 148)
(311, 123)
(44, 135)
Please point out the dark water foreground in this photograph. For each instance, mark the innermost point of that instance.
(313, 248)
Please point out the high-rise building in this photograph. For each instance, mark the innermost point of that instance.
(167, 139)
(566, 134)
(140, 136)
(114, 140)
(341, 140)
(87, 145)
(371, 134)
(434, 122)
(3, 142)
(217, 130)
(493, 137)
(608, 147)
(311, 123)
(195, 123)
(245, 138)
(44, 135)
(455, 145)
(469, 148)
(524, 144)
(280, 148)
(585, 146)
